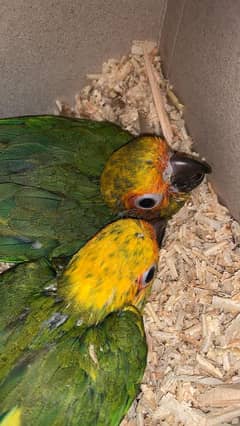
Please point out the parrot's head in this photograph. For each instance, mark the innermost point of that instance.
(146, 179)
(113, 270)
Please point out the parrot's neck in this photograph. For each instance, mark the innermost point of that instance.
(86, 310)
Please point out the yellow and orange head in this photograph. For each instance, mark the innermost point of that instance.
(146, 179)
(113, 270)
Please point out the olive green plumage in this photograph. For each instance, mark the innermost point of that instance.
(59, 373)
(50, 201)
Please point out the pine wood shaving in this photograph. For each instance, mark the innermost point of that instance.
(228, 305)
(157, 96)
(220, 418)
(208, 367)
(221, 396)
(182, 412)
(174, 100)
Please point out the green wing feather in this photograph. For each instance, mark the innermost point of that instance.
(64, 374)
(50, 166)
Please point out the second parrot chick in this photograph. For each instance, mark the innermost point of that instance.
(112, 271)
(74, 352)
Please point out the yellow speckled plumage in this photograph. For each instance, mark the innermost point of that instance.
(147, 157)
(110, 253)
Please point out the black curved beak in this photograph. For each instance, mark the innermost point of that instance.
(187, 171)
(159, 226)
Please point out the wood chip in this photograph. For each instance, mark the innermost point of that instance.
(208, 367)
(221, 396)
(224, 416)
(181, 410)
(226, 305)
(157, 96)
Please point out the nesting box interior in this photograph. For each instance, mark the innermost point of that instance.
(192, 319)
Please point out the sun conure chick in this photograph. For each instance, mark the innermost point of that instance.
(52, 195)
(73, 351)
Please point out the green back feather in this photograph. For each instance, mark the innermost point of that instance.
(50, 202)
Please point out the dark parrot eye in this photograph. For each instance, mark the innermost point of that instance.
(148, 275)
(148, 201)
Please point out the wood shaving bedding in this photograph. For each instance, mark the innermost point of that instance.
(193, 318)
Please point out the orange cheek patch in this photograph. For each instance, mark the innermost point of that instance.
(151, 182)
(160, 187)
